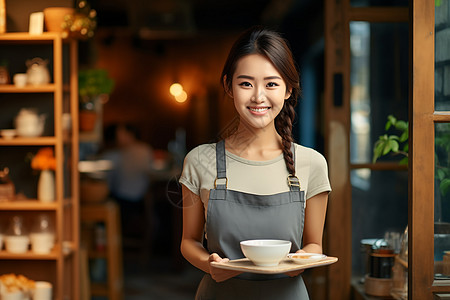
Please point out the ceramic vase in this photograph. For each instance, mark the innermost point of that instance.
(46, 186)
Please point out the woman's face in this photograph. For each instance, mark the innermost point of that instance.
(258, 91)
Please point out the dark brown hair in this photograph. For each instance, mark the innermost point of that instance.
(275, 48)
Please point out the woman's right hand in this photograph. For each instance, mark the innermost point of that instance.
(219, 274)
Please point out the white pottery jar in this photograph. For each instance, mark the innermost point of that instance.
(46, 186)
(29, 123)
(37, 72)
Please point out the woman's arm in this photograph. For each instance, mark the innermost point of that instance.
(191, 241)
(316, 208)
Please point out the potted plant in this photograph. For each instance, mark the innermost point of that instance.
(398, 145)
(94, 88)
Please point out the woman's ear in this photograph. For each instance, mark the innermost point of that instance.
(227, 90)
(288, 93)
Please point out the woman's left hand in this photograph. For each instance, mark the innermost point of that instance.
(219, 274)
(298, 272)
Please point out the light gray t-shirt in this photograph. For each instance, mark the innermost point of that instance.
(255, 177)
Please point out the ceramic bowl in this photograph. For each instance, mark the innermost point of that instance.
(42, 242)
(265, 252)
(16, 295)
(17, 244)
(8, 133)
(305, 258)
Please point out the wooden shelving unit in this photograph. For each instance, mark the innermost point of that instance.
(61, 265)
(108, 214)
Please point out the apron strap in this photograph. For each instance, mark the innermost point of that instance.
(221, 165)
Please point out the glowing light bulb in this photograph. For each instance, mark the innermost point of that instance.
(176, 89)
(182, 97)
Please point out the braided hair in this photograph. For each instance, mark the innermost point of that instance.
(270, 44)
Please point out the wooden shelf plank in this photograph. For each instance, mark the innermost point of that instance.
(32, 141)
(26, 37)
(44, 88)
(30, 204)
(380, 166)
(29, 255)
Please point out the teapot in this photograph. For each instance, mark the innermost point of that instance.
(37, 72)
(29, 123)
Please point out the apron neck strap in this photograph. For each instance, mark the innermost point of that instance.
(221, 163)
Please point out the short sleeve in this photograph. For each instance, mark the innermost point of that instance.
(318, 180)
(190, 176)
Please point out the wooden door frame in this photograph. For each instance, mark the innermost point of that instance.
(338, 230)
(338, 221)
(422, 123)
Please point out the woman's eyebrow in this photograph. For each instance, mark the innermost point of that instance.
(253, 78)
(246, 77)
(272, 77)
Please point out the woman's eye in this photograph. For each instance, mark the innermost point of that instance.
(245, 84)
(272, 84)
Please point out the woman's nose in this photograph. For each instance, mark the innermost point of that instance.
(259, 96)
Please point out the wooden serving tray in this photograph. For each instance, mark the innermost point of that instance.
(286, 265)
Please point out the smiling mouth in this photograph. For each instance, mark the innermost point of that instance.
(259, 109)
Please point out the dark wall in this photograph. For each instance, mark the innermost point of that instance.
(145, 69)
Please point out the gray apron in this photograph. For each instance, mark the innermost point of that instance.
(234, 216)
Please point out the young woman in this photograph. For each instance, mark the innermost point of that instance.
(257, 183)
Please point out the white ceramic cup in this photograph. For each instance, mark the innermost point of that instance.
(16, 295)
(42, 291)
(42, 243)
(17, 244)
(20, 79)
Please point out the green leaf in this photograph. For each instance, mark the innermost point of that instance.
(393, 137)
(440, 174)
(379, 146)
(393, 144)
(401, 125)
(404, 161)
(444, 186)
(406, 148)
(404, 137)
(387, 148)
(377, 150)
(391, 121)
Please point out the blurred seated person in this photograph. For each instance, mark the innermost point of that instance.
(129, 180)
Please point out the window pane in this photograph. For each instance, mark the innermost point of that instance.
(378, 83)
(379, 205)
(442, 201)
(442, 56)
(379, 2)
